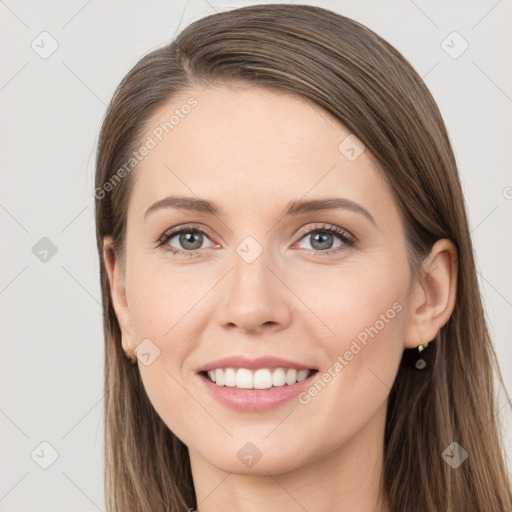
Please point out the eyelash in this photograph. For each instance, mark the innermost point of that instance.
(347, 239)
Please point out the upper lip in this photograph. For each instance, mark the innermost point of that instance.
(258, 362)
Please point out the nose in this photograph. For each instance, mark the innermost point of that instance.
(254, 297)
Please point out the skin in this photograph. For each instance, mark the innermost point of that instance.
(251, 151)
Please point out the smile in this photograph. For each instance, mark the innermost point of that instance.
(256, 390)
(261, 378)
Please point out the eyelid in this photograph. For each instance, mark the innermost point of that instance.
(176, 230)
(330, 228)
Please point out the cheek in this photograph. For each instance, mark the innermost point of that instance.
(166, 309)
(161, 301)
(360, 300)
(368, 308)
(162, 311)
(364, 308)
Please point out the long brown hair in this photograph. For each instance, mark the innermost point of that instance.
(360, 79)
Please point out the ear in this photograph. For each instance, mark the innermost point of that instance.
(118, 293)
(433, 298)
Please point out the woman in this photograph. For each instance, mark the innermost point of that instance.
(285, 253)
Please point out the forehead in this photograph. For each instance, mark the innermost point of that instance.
(250, 145)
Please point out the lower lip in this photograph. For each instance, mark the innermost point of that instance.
(255, 400)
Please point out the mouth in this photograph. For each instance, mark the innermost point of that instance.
(255, 384)
(257, 379)
(256, 390)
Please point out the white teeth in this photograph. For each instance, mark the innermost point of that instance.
(219, 377)
(291, 377)
(244, 379)
(278, 377)
(230, 378)
(302, 375)
(263, 378)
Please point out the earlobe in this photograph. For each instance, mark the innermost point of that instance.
(433, 299)
(118, 293)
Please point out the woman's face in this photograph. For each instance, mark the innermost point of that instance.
(261, 278)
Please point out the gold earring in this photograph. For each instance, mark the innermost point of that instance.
(423, 346)
(421, 364)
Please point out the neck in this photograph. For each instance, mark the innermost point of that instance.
(348, 476)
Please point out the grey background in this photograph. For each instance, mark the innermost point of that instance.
(51, 331)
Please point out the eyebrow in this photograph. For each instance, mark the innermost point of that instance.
(292, 208)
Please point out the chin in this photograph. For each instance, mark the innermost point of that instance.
(251, 458)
